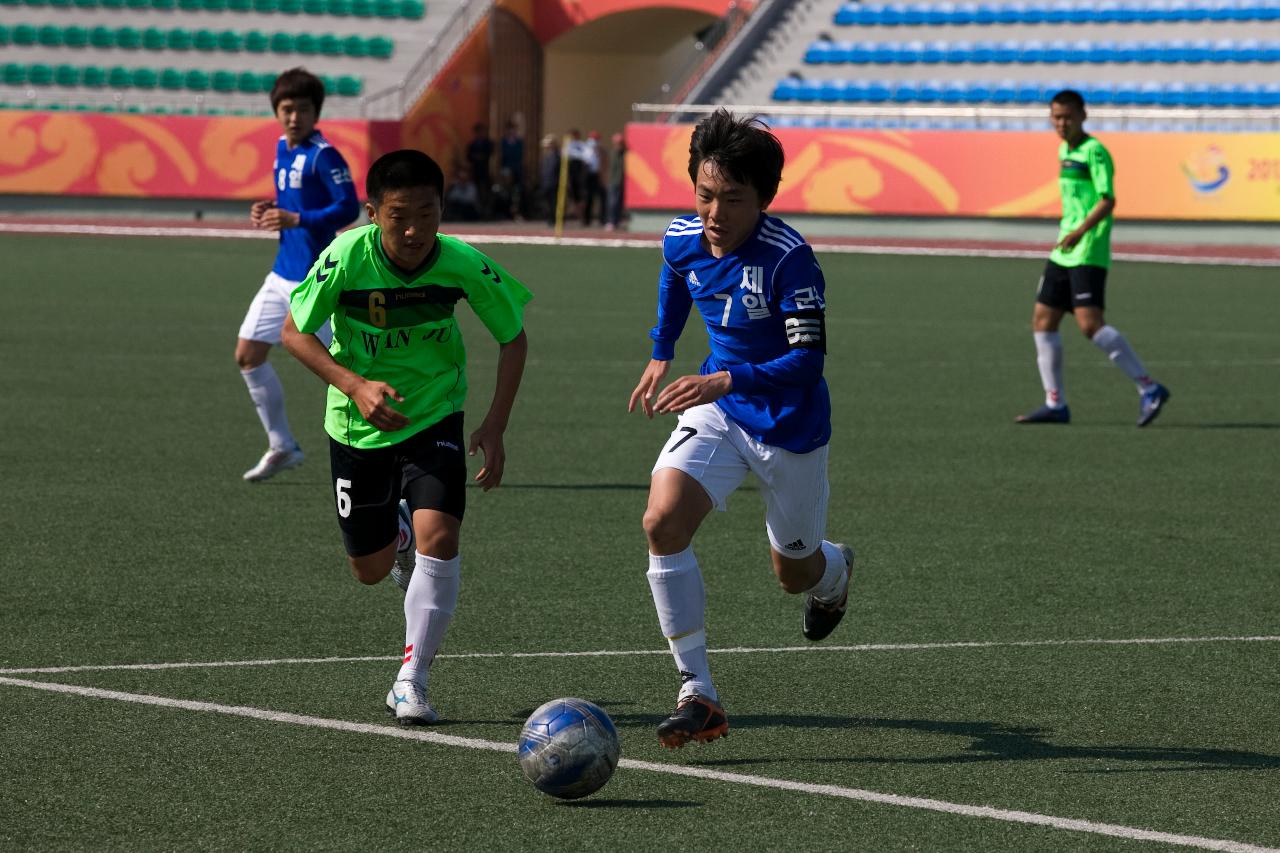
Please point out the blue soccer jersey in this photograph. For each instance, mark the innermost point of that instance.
(763, 305)
(313, 181)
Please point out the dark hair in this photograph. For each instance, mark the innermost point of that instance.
(402, 170)
(1069, 98)
(298, 83)
(742, 149)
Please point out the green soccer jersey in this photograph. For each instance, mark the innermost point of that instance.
(1086, 174)
(399, 328)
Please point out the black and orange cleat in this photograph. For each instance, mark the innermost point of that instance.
(821, 618)
(695, 718)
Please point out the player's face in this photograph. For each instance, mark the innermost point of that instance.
(1067, 121)
(729, 210)
(298, 117)
(409, 220)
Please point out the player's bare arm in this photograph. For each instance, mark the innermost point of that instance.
(647, 389)
(371, 398)
(689, 391)
(488, 436)
(278, 219)
(259, 207)
(1100, 211)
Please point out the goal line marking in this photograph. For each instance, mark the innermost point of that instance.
(859, 794)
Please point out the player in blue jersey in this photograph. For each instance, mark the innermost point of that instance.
(759, 404)
(314, 198)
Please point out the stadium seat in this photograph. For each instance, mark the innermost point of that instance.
(223, 81)
(39, 74)
(329, 45)
(291, 7)
(144, 78)
(340, 8)
(820, 52)
(981, 52)
(958, 52)
(412, 9)
(355, 46)
(214, 5)
(178, 39)
(315, 7)
(1173, 94)
(154, 38)
(4, 34)
(282, 43)
(387, 8)
(75, 36)
(129, 38)
(230, 41)
(66, 75)
(266, 81)
(363, 8)
(171, 79)
(93, 77)
(119, 77)
(256, 41)
(14, 74)
(1102, 93)
(196, 80)
(784, 90)
(204, 40)
(1004, 52)
(380, 47)
(191, 5)
(1004, 92)
(247, 83)
(929, 91)
(1029, 92)
(25, 34)
(305, 43)
(266, 7)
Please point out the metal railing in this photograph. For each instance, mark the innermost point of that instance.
(393, 102)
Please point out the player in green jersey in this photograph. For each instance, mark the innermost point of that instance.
(397, 381)
(1075, 277)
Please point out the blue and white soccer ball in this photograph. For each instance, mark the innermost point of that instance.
(569, 748)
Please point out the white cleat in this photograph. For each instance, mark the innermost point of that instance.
(273, 462)
(408, 701)
(406, 549)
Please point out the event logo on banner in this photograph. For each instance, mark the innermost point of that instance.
(1229, 176)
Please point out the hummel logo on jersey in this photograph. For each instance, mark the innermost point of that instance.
(447, 444)
(753, 299)
(797, 545)
(322, 272)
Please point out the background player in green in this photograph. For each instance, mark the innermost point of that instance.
(397, 381)
(1075, 278)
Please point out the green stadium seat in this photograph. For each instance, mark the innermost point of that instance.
(133, 108)
(60, 4)
(266, 7)
(171, 79)
(230, 41)
(178, 39)
(128, 38)
(290, 7)
(75, 36)
(191, 5)
(387, 8)
(25, 34)
(247, 82)
(329, 45)
(197, 80)
(340, 8)
(186, 111)
(154, 38)
(108, 108)
(315, 7)
(256, 41)
(380, 47)
(223, 81)
(139, 4)
(412, 9)
(113, 4)
(214, 5)
(119, 77)
(205, 40)
(160, 110)
(39, 74)
(363, 8)
(102, 37)
(330, 83)
(4, 34)
(93, 77)
(66, 75)
(355, 46)
(36, 3)
(10, 2)
(15, 74)
(85, 108)
(163, 5)
(266, 81)
(86, 4)
(144, 78)
(349, 86)
(282, 43)
(50, 36)
(240, 5)
(305, 43)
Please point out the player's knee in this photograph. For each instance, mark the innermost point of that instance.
(367, 571)
(248, 360)
(665, 532)
(439, 544)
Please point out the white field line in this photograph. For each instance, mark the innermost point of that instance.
(1007, 815)
(738, 650)
(925, 249)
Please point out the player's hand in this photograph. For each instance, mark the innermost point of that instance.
(648, 387)
(259, 208)
(371, 399)
(488, 440)
(278, 219)
(1069, 242)
(689, 391)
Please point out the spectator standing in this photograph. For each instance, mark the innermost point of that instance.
(479, 155)
(511, 168)
(616, 199)
(549, 176)
(591, 187)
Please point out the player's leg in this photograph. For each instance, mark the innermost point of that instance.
(1053, 299)
(434, 484)
(696, 471)
(795, 492)
(259, 331)
(1089, 292)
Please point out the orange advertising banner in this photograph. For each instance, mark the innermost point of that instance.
(1191, 176)
(111, 154)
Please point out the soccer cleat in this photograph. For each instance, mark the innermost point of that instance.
(406, 551)
(407, 700)
(695, 718)
(821, 618)
(273, 462)
(1046, 415)
(1152, 404)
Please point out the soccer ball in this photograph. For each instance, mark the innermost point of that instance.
(569, 748)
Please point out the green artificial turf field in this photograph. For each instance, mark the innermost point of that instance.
(969, 672)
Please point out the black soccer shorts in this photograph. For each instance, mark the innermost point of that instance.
(1065, 288)
(428, 469)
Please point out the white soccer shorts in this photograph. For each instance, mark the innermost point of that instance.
(265, 317)
(717, 453)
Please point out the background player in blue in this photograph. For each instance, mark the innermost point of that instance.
(314, 198)
(759, 404)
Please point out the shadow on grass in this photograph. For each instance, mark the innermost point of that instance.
(992, 742)
(629, 804)
(1227, 425)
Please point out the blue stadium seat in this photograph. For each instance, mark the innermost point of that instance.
(1269, 51)
(1125, 51)
(1059, 11)
(1028, 92)
(1030, 51)
(964, 13)
(885, 53)
(1173, 94)
(933, 52)
(915, 14)
(958, 52)
(1054, 52)
(1248, 50)
(1148, 94)
(986, 14)
(1270, 95)
(1034, 13)
(1246, 95)
(929, 91)
(848, 15)
(1106, 12)
(977, 92)
(909, 53)
(1222, 50)
(939, 14)
(1005, 52)
(1147, 52)
(822, 51)
(808, 91)
(1101, 93)
(954, 91)
(1197, 94)
(1198, 51)
(1126, 93)
(1218, 10)
(982, 52)
(1011, 13)
(785, 90)
(1194, 11)
(1004, 92)
(906, 92)
(832, 91)
(856, 91)
(1101, 52)
(879, 91)
(1128, 12)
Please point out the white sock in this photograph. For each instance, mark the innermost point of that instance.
(428, 608)
(268, 398)
(1049, 360)
(1122, 355)
(832, 584)
(679, 597)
